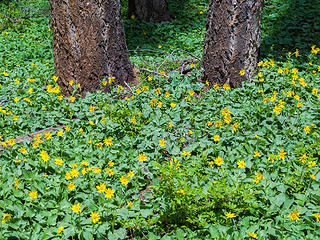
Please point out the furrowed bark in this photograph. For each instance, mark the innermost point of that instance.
(89, 43)
(232, 40)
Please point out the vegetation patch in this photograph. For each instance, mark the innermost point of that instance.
(168, 158)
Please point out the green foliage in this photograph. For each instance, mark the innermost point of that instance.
(289, 24)
(190, 185)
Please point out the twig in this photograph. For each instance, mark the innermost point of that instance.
(158, 51)
(128, 86)
(143, 234)
(155, 72)
(3, 101)
(171, 54)
(30, 136)
(189, 54)
(147, 50)
(144, 61)
(165, 60)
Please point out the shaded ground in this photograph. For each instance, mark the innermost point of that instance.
(290, 24)
(286, 25)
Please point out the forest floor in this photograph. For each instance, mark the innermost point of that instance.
(173, 159)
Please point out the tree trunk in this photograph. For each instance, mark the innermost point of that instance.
(232, 40)
(89, 44)
(150, 10)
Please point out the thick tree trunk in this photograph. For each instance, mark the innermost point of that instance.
(89, 43)
(232, 40)
(150, 10)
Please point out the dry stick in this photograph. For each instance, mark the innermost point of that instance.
(148, 50)
(155, 72)
(180, 51)
(166, 69)
(190, 54)
(172, 54)
(3, 101)
(158, 51)
(165, 59)
(180, 60)
(30, 136)
(143, 234)
(144, 61)
(128, 86)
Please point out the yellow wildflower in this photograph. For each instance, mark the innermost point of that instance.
(76, 208)
(124, 180)
(282, 155)
(162, 143)
(58, 161)
(218, 123)
(44, 155)
(23, 150)
(219, 161)
(253, 235)
(235, 127)
(101, 188)
(6, 217)
(230, 215)
(95, 217)
(60, 133)
(216, 138)
(142, 157)
(184, 153)
(60, 229)
(72, 99)
(191, 92)
(242, 72)
(258, 178)
(130, 204)
(71, 186)
(109, 193)
(241, 164)
(294, 215)
(226, 86)
(257, 154)
(131, 174)
(33, 194)
(108, 141)
(181, 191)
(317, 216)
(306, 129)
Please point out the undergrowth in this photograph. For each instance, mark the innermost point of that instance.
(166, 159)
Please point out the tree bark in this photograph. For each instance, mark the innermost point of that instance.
(232, 40)
(150, 10)
(89, 44)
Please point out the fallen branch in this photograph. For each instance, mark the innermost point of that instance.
(148, 50)
(154, 72)
(165, 59)
(159, 51)
(189, 54)
(128, 87)
(30, 136)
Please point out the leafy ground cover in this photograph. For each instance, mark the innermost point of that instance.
(167, 158)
